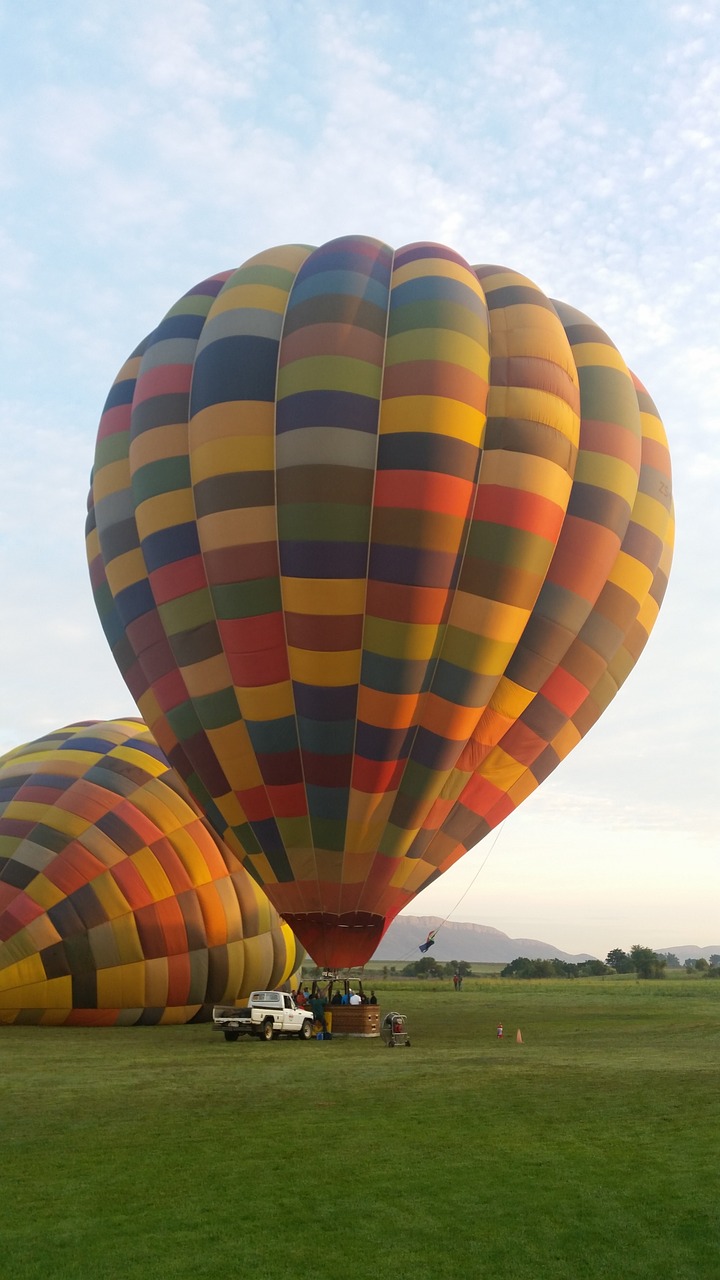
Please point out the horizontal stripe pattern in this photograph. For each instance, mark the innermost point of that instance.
(373, 536)
(330, 378)
(585, 679)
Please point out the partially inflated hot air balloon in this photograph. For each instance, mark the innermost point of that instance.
(118, 904)
(375, 536)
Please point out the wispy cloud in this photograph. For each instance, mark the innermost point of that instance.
(142, 147)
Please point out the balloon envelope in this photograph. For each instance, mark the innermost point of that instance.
(118, 904)
(375, 536)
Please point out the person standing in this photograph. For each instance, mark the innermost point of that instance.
(317, 1004)
(500, 1031)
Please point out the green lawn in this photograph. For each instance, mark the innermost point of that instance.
(590, 1150)
(376, 970)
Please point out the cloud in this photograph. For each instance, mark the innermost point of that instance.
(144, 147)
(180, 46)
(55, 665)
(70, 127)
(17, 263)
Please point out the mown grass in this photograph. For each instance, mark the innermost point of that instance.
(588, 1151)
(391, 970)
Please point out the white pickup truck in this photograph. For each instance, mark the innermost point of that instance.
(267, 1014)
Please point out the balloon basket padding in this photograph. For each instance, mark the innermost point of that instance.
(357, 1020)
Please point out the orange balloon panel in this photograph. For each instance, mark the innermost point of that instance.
(366, 528)
(118, 903)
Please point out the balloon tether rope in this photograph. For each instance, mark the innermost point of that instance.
(498, 833)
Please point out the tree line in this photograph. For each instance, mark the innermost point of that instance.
(428, 967)
(642, 961)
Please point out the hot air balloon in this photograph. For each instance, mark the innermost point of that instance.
(118, 903)
(374, 536)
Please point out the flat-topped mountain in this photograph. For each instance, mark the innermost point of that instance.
(456, 941)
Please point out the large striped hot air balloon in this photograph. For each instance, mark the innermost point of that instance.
(375, 537)
(118, 904)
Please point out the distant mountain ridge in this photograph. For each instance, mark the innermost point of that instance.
(689, 952)
(479, 942)
(457, 941)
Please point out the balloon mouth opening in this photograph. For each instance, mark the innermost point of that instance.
(338, 941)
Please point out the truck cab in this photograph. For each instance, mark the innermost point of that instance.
(267, 1015)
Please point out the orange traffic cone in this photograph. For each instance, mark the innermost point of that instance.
(519, 1036)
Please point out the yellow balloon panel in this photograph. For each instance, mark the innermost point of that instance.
(118, 904)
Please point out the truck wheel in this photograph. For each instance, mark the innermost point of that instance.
(305, 1031)
(231, 1035)
(267, 1029)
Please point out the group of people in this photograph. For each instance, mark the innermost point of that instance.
(305, 1000)
(457, 981)
(318, 1000)
(352, 997)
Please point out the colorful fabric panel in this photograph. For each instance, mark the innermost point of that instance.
(374, 536)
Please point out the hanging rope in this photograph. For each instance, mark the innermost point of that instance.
(498, 833)
(435, 931)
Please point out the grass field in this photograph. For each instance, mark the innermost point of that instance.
(588, 1151)
(391, 970)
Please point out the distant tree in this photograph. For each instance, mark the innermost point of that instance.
(701, 964)
(689, 963)
(523, 967)
(385, 972)
(518, 968)
(671, 960)
(619, 961)
(461, 967)
(646, 962)
(425, 968)
(592, 969)
(715, 961)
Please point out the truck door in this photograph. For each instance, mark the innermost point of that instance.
(291, 1016)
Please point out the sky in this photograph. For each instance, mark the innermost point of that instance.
(147, 145)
